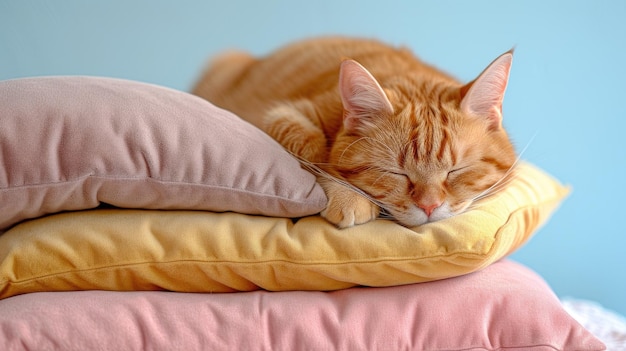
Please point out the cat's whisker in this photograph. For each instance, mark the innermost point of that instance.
(349, 146)
(379, 178)
(499, 185)
(487, 193)
(508, 176)
(370, 139)
(385, 146)
(318, 171)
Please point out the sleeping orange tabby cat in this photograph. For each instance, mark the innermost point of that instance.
(415, 143)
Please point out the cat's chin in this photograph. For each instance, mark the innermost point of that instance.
(415, 216)
(411, 218)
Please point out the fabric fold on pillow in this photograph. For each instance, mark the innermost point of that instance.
(197, 251)
(72, 143)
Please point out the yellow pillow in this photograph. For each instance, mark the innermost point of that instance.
(198, 251)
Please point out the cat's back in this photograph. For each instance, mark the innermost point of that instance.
(248, 86)
(313, 64)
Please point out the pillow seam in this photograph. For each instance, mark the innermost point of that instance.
(146, 179)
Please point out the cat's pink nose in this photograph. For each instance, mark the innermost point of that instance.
(428, 208)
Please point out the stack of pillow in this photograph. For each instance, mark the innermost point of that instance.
(109, 184)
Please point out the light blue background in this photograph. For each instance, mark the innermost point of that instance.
(566, 89)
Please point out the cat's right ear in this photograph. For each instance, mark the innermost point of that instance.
(362, 97)
(483, 97)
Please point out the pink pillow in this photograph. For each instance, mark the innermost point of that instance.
(504, 306)
(71, 143)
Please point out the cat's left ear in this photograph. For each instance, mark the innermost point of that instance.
(361, 95)
(483, 96)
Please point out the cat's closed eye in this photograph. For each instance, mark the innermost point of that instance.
(455, 171)
(401, 174)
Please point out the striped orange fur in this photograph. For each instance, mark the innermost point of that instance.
(382, 129)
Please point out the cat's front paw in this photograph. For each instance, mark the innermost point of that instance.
(346, 208)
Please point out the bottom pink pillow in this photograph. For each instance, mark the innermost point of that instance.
(505, 306)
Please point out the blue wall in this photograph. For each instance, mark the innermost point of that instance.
(566, 90)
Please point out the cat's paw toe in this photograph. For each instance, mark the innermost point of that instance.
(346, 214)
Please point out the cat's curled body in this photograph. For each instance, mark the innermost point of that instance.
(415, 141)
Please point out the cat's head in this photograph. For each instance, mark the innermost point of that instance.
(423, 152)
